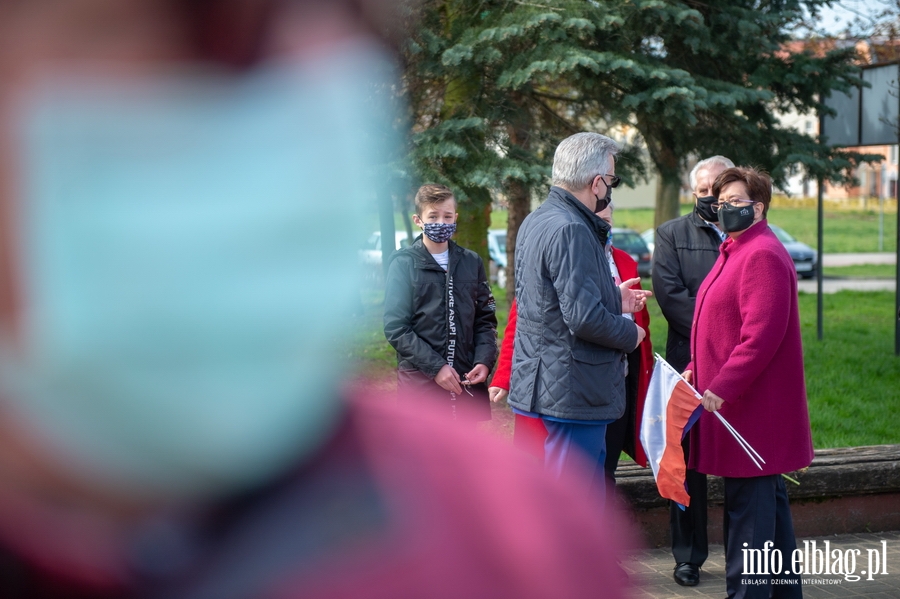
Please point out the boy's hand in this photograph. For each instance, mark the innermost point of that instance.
(448, 379)
(497, 394)
(477, 375)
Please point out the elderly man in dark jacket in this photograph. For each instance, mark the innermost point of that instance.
(685, 251)
(569, 358)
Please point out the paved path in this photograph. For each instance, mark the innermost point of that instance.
(833, 285)
(854, 259)
(651, 571)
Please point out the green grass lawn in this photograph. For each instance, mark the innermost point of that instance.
(853, 377)
(862, 271)
(844, 231)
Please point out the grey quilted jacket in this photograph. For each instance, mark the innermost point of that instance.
(571, 338)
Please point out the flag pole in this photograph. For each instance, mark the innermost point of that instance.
(737, 436)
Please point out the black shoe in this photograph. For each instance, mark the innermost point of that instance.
(687, 575)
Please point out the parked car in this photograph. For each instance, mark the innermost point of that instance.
(497, 253)
(371, 250)
(804, 257)
(629, 241)
(370, 255)
(648, 237)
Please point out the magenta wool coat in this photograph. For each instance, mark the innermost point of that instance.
(746, 348)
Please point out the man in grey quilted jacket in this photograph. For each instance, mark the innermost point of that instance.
(569, 361)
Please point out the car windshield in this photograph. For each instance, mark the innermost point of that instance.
(500, 238)
(373, 242)
(782, 235)
(630, 242)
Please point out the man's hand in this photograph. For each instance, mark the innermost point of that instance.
(711, 401)
(641, 335)
(633, 300)
(448, 379)
(477, 375)
(497, 394)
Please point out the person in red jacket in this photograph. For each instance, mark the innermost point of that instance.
(529, 433)
(747, 359)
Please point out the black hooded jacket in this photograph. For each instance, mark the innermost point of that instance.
(416, 316)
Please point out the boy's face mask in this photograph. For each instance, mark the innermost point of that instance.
(184, 304)
(439, 232)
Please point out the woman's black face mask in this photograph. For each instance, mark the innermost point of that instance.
(736, 218)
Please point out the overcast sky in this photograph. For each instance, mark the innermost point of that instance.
(835, 19)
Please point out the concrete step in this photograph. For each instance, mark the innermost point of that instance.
(845, 490)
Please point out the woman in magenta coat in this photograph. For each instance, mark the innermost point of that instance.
(747, 359)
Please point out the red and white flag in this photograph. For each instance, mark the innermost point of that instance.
(671, 408)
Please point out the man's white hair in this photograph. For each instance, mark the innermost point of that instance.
(581, 157)
(706, 163)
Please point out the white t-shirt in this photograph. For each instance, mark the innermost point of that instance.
(443, 259)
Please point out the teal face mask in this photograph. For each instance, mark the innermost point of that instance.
(185, 301)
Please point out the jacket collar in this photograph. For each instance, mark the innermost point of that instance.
(424, 257)
(701, 223)
(746, 237)
(698, 220)
(599, 226)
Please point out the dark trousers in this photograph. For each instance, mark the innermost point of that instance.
(620, 435)
(688, 526)
(615, 443)
(756, 511)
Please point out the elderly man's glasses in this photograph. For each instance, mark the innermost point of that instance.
(734, 203)
(614, 182)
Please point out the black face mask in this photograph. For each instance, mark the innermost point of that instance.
(705, 210)
(603, 202)
(736, 218)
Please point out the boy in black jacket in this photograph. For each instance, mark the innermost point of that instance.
(439, 313)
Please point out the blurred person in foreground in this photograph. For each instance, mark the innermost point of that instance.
(747, 360)
(685, 251)
(172, 422)
(530, 434)
(571, 340)
(440, 315)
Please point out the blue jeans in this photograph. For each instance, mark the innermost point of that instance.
(571, 447)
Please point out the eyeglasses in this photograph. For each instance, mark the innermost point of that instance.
(614, 182)
(733, 203)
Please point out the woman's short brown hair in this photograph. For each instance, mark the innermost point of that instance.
(430, 194)
(758, 183)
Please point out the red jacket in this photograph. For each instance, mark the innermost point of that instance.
(746, 349)
(627, 270)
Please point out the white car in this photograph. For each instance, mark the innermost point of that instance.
(497, 252)
(370, 255)
(648, 237)
(371, 251)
